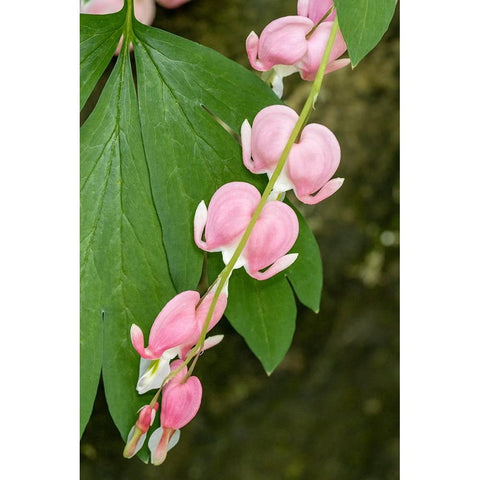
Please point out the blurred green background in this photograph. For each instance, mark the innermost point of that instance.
(331, 409)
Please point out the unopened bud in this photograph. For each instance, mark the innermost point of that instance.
(137, 434)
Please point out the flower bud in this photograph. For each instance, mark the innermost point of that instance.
(137, 434)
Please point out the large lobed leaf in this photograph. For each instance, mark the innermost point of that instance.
(124, 273)
(363, 23)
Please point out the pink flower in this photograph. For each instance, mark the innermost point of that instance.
(230, 211)
(288, 45)
(181, 400)
(144, 11)
(311, 162)
(178, 324)
(174, 332)
(171, 3)
(137, 434)
(315, 10)
(282, 42)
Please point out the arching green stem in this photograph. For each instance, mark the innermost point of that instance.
(301, 122)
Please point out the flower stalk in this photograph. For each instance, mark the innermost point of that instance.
(297, 130)
(329, 11)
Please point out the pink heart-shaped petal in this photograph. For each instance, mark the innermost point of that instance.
(272, 237)
(314, 160)
(271, 129)
(229, 213)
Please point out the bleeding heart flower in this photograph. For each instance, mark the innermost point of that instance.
(174, 332)
(181, 401)
(224, 223)
(178, 325)
(293, 44)
(315, 10)
(311, 162)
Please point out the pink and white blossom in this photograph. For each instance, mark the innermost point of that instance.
(181, 399)
(226, 219)
(311, 163)
(293, 44)
(174, 332)
(178, 324)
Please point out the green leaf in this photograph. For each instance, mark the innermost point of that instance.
(124, 272)
(181, 86)
(306, 273)
(363, 23)
(99, 37)
(263, 312)
(148, 164)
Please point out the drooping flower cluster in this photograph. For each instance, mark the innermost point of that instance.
(250, 230)
(296, 44)
(174, 332)
(182, 321)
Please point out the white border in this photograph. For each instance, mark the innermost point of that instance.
(39, 242)
(440, 241)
